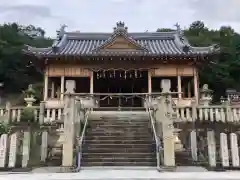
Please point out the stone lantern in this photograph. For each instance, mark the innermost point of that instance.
(205, 95)
(29, 96)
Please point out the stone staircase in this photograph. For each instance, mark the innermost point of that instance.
(119, 139)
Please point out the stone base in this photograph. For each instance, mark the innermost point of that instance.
(178, 147)
(16, 170)
(167, 169)
(54, 169)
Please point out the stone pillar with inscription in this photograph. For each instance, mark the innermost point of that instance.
(26, 148)
(13, 150)
(3, 149)
(44, 135)
(165, 123)
(69, 124)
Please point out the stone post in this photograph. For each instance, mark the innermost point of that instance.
(165, 123)
(193, 133)
(8, 112)
(41, 112)
(44, 135)
(69, 124)
(228, 110)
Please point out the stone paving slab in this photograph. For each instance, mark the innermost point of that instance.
(124, 175)
(182, 173)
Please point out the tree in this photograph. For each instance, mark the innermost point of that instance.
(15, 72)
(223, 73)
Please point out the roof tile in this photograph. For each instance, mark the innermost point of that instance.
(157, 43)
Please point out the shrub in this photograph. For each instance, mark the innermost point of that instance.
(4, 128)
(27, 115)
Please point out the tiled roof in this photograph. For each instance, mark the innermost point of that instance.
(90, 44)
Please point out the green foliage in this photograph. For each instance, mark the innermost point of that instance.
(4, 128)
(223, 72)
(16, 71)
(38, 91)
(27, 115)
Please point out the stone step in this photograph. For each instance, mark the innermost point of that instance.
(119, 130)
(104, 149)
(125, 137)
(118, 113)
(119, 155)
(119, 141)
(110, 163)
(147, 145)
(119, 159)
(120, 133)
(123, 118)
(116, 116)
(124, 128)
(118, 124)
(183, 158)
(119, 118)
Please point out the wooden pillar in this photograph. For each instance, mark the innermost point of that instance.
(62, 88)
(149, 81)
(189, 90)
(91, 82)
(52, 90)
(195, 78)
(179, 82)
(45, 87)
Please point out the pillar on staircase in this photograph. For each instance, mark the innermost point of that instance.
(69, 124)
(165, 123)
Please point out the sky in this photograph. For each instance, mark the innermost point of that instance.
(102, 15)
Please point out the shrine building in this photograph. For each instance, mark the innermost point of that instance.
(121, 62)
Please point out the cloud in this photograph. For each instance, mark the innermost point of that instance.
(101, 15)
(216, 10)
(31, 10)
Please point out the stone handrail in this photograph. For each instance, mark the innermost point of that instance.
(157, 140)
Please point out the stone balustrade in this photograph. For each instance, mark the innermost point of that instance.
(50, 114)
(218, 113)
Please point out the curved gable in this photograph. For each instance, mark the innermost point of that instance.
(120, 40)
